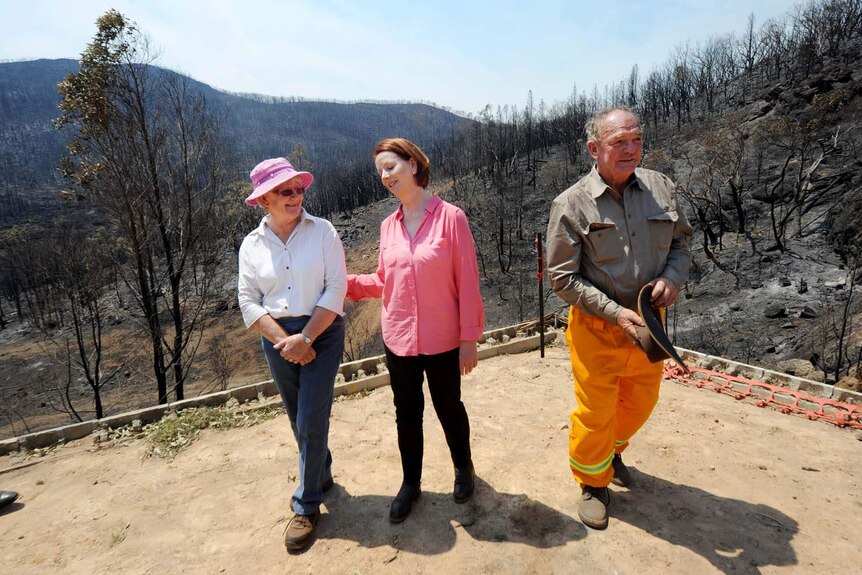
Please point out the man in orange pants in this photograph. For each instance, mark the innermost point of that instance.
(617, 229)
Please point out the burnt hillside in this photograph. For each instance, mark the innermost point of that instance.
(762, 132)
(328, 137)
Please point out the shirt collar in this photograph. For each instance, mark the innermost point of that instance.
(430, 207)
(263, 229)
(597, 186)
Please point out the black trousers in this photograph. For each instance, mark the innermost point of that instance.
(444, 383)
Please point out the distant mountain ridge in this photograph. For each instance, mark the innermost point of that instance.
(256, 126)
(29, 143)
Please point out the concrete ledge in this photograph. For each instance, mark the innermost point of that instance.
(368, 365)
(244, 393)
(517, 345)
(792, 382)
(364, 384)
(145, 415)
(58, 434)
(9, 445)
(497, 334)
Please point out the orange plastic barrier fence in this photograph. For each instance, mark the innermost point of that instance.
(785, 400)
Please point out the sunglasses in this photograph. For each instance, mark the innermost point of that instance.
(289, 193)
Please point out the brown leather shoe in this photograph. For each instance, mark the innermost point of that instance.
(622, 475)
(300, 531)
(593, 508)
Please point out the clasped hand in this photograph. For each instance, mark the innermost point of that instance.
(664, 294)
(294, 350)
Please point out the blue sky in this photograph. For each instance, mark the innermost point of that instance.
(459, 54)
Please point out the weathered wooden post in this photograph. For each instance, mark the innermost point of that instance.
(540, 272)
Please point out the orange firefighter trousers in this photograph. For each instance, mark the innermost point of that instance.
(616, 388)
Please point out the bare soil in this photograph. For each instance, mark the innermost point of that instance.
(722, 487)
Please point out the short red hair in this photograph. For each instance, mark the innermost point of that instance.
(407, 150)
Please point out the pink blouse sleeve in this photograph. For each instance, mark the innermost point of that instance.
(471, 308)
(361, 286)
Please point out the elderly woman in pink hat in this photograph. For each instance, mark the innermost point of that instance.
(292, 283)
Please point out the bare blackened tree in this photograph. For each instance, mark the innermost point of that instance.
(13, 278)
(749, 46)
(798, 190)
(146, 148)
(84, 273)
(845, 327)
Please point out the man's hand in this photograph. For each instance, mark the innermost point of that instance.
(468, 356)
(627, 320)
(293, 348)
(664, 293)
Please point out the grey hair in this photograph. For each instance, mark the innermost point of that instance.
(594, 124)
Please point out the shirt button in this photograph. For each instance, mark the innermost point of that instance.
(633, 235)
(288, 287)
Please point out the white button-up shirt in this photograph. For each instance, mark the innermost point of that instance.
(289, 279)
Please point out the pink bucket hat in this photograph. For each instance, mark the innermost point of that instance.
(269, 174)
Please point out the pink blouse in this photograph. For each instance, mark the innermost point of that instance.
(429, 286)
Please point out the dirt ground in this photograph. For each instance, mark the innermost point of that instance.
(722, 486)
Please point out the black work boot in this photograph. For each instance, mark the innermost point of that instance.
(622, 475)
(465, 482)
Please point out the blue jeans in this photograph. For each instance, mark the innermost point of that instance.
(306, 392)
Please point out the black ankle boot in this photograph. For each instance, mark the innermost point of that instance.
(403, 502)
(464, 483)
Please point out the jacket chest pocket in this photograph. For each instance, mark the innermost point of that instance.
(661, 226)
(604, 241)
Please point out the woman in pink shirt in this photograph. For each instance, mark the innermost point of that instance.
(432, 314)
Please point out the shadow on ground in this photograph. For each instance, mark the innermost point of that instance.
(11, 508)
(734, 535)
(432, 526)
